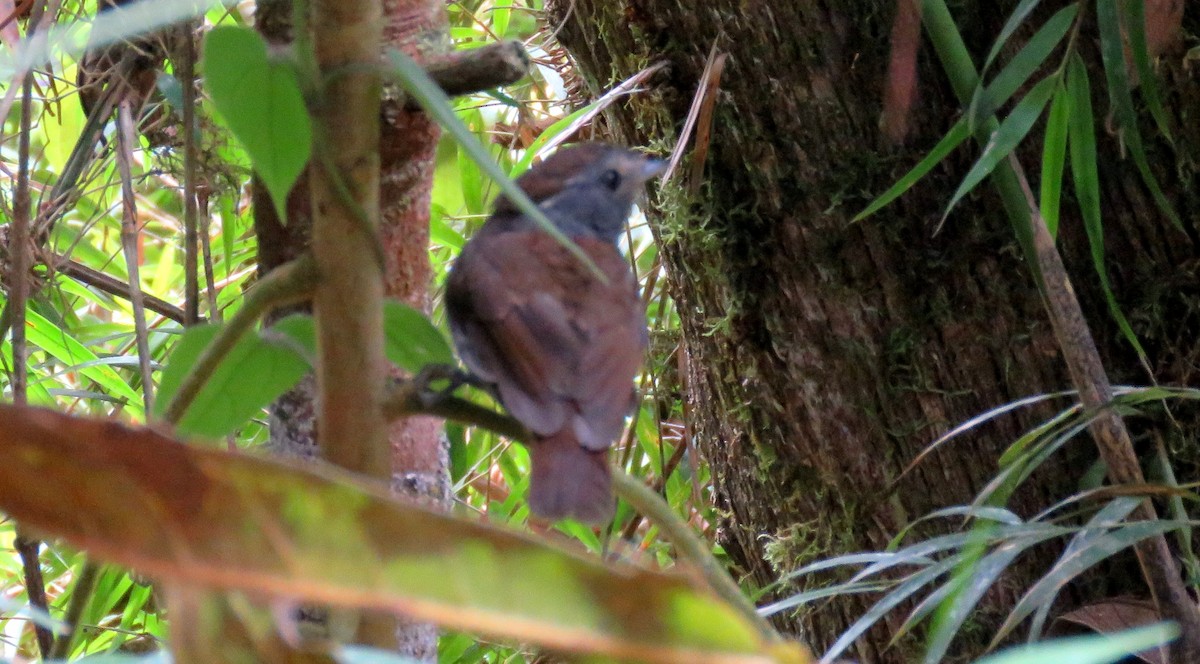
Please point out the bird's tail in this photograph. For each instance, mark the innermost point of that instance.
(569, 481)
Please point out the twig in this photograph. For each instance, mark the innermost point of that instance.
(18, 283)
(81, 596)
(191, 239)
(412, 398)
(469, 71)
(103, 282)
(288, 283)
(126, 138)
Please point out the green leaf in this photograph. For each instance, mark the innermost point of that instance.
(258, 369)
(1084, 174)
(214, 519)
(953, 138)
(411, 341)
(66, 349)
(1054, 157)
(1007, 136)
(1135, 27)
(260, 99)
(1018, 16)
(1029, 59)
(1092, 649)
(1120, 95)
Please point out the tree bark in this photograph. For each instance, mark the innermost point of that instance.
(823, 356)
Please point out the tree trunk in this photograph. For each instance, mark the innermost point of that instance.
(823, 356)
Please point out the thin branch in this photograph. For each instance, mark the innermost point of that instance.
(291, 282)
(107, 284)
(20, 258)
(191, 234)
(126, 139)
(81, 596)
(469, 71)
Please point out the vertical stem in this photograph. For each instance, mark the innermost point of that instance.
(126, 137)
(191, 235)
(20, 246)
(348, 302)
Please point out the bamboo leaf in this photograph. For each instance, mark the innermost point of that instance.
(1135, 27)
(1007, 136)
(1120, 97)
(1086, 178)
(1054, 157)
(1028, 60)
(1015, 19)
(953, 138)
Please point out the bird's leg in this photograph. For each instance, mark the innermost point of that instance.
(452, 375)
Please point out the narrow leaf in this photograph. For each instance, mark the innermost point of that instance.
(1120, 95)
(1028, 60)
(1086, 178)
(260, 100)
(953, 138)
(1092, 649)
(1018, 16)
(1006, 137)
(1135, 26)
(1054, 157)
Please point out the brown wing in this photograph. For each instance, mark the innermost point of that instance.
(561, 346)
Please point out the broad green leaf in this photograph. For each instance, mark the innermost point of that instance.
(953, 138)
(1093, 649)
(305, 533)
(260, 100)
(1007, 136)
(1120, 95)
(410, 340)
(66, 349)
(1086, 178)
(258, 369)
(501, 12)
(1054, 158)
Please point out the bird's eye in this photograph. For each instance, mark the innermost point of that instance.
(610, 179)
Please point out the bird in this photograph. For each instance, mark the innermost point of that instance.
(558, 346)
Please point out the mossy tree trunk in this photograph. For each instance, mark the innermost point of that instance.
(822, 355)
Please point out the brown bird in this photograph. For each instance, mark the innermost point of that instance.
(559, 346)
